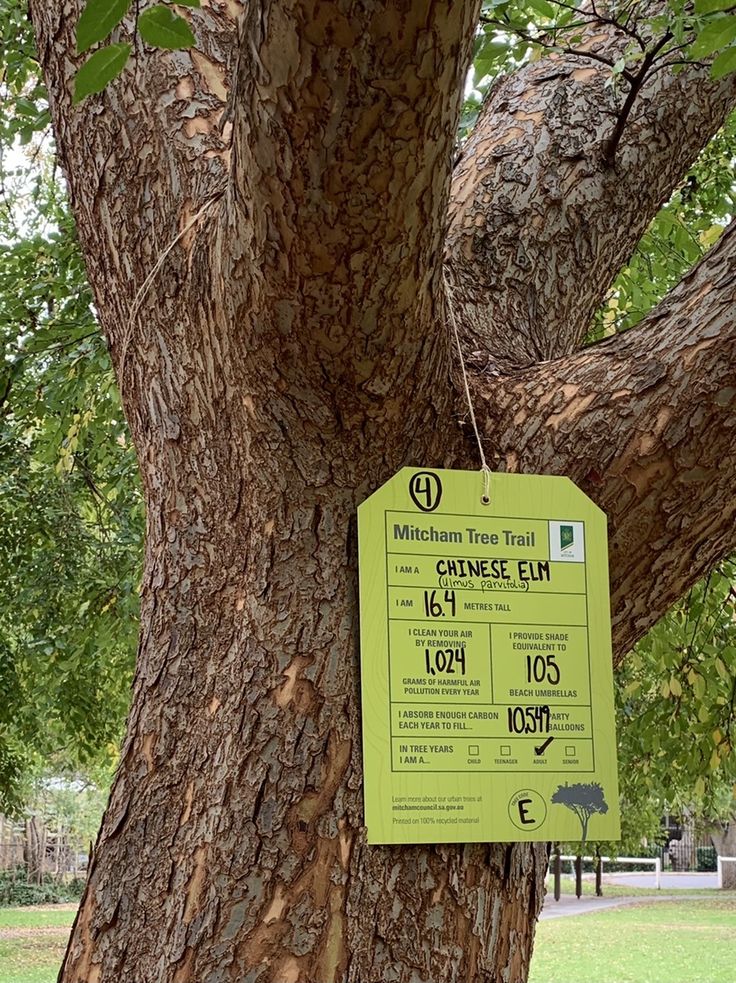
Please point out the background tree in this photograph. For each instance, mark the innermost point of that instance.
(676, 709)
(723, 835)
(70, 504)
(263, 219)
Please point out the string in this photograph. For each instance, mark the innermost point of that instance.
(485, 470)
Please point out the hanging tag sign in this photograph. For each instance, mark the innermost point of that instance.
(487, 687)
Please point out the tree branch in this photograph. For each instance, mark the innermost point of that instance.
(344, 127)
(638, 81)
(645, 423)
(539, 223)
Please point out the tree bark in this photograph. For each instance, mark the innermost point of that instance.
(644, 423)
(271, 288)
(34, 850)
(723, 836)
(540, 222)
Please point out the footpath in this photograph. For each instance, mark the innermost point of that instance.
(570, 905)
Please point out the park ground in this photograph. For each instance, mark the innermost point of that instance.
(688, 940)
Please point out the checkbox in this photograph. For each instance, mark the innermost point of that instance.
(505, 750)
(473, 749)
(570, 751)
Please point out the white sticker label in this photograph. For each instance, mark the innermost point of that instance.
(567, 541)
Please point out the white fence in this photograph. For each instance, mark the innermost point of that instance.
(654, 861)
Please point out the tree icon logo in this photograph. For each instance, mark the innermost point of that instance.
(583, 800)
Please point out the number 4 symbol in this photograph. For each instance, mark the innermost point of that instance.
(425, 489)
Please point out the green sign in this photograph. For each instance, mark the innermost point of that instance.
(487, 686)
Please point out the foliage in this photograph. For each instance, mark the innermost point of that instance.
(512, 31)
(71, 514)
(707, 858)
(100, 68)
(676, 718)
(157, 25)
(676, 700)
(73, 803)
(23, 106)
(68, 603)
(16, 891)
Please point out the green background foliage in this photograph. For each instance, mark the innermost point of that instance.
(71, 514)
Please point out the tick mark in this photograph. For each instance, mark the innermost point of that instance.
(539, 751)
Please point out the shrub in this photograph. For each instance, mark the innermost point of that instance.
(15, 890)
(706, 858)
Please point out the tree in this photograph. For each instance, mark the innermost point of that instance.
(676, 708)
(724, 840)
(265, 220)
(583, 800)
(68, 604)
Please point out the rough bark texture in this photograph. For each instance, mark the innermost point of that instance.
(290, 353)
(539, 219)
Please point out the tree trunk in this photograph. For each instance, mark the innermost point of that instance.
(34, 852)
(724, 840)
(233, 843)
(265, 240)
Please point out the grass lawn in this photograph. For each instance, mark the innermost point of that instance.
(32, 942)
(689, 941)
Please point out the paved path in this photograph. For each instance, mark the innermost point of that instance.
(570, 905)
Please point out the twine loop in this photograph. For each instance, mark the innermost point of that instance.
(485, 469)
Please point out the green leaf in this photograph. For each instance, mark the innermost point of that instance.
(98, 18)
(724, 64)
(699, 686)
(99, 69)
(711, 6)
(543, 8)
(162, 28)
(187, 3)
(717, 34)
